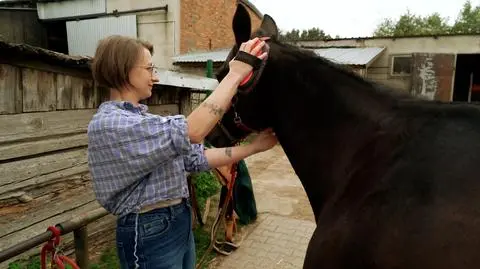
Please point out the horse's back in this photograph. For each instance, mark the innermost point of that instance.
(423, 213)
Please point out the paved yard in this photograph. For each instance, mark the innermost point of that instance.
(279, 237)
(277, 242)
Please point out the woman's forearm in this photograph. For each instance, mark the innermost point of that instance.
(217, 157)
(210, 111)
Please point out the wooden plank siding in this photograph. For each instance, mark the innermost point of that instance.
(44, 178)
(10, 90)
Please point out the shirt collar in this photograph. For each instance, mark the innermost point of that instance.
(125, 105)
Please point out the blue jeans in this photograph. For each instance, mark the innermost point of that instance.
(163, 239)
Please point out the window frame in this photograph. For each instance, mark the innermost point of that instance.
(392, 63)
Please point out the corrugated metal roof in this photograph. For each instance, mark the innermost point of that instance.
(199, 57)
(177, 79)
(348, 56)
(63, 9)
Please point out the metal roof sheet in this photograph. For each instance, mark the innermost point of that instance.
(199, 57)
(172, 78)
(350, 56)
(347, 56)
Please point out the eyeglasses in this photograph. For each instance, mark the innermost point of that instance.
(152, 68)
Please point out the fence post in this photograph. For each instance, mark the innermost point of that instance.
(81, 246)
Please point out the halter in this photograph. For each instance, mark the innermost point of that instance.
(251, 80)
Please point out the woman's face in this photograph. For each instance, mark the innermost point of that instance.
(143, 76)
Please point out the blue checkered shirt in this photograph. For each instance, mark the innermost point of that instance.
(137, 158)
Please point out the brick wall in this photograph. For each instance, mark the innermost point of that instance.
(207, 24)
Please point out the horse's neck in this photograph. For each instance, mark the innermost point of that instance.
(327, 149)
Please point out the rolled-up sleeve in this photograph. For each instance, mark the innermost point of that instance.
(179, 134)
(196, 161)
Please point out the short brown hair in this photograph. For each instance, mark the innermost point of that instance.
(114, 57)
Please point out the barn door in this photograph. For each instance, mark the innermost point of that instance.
(432, 75)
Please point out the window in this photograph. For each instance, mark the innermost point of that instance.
(401, 65)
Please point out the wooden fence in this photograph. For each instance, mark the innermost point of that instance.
(46, 102)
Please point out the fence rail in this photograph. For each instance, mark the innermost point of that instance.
(77, 225)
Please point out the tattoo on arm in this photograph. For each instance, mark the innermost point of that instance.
(228, 152)
(214, 109)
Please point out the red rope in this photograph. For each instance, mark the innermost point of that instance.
(51, 247)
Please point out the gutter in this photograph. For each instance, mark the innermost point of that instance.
(114, 13)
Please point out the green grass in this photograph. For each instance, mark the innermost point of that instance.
(206, 185)
(108, 259)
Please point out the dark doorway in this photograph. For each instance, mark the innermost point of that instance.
(467, 78)
(56, 36)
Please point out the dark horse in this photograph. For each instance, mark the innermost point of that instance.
(393, 181)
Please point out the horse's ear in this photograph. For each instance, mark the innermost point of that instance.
(269, 26)
(242, 25)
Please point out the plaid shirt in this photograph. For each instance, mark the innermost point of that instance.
(136, 158)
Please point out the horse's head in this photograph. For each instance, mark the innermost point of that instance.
(249, 111)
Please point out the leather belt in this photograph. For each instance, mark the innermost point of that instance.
(161, 204)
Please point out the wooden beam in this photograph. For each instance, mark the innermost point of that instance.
(45, 179)
(40, 227)
(10, 90)
(24, 173)
(17, 217)
(55, 143)
(34, 125)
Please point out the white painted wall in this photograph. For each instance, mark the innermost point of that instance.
(160, 28)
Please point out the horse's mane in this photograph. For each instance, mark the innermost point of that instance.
(359, 94)
(339, 75)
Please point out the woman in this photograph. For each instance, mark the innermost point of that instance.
(138, 161)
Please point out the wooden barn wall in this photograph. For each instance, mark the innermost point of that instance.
(22, 26)
(44, 177)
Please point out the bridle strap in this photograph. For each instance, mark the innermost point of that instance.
(258, 65)
(226, 132)
(238, 120)
(246, 86)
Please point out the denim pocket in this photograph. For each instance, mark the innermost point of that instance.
(155, 228)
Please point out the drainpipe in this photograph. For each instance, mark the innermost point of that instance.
(209, 72)
(209, 68)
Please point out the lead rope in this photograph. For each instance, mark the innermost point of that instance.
(52, 247)
(220, 215)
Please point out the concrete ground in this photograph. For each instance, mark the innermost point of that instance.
(279, 237)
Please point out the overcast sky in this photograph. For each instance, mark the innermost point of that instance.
(351, 18)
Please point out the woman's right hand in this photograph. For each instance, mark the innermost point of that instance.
(265, 140)
(253, 47)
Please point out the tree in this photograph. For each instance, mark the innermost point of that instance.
(468, 21)
(411, 24)
(308, 34)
